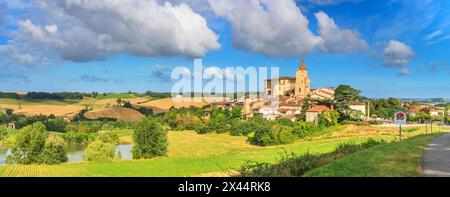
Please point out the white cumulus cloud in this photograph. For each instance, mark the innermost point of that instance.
(272, 28)
(85, 30)
(336, 40)
(397, 53)
(278, 28)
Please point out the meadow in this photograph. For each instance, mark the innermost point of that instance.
(191, 154)
(399, 159)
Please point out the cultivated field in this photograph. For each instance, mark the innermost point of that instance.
(72, 107)
(163, 105)
(114, 113)
(45, 107)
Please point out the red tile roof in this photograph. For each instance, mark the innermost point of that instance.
(319, 108)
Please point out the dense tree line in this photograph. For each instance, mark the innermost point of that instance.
(385, 108)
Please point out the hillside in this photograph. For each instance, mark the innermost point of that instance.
(114, 113)
(163, 105)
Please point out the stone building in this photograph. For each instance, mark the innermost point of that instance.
(298, 86)
(313, 112)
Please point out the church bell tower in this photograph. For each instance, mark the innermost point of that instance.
(302, 81)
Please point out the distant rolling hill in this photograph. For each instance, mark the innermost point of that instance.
(114, 113)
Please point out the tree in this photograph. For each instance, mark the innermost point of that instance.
(29, 144)
(54, 152)
(99, 151)
(422, 116)
(236, 113)
(56, 124)
(9, 112)
(119, 101)
(150, 139)
(344, 96)
(3, 132)
(327, 119)
(127, 104)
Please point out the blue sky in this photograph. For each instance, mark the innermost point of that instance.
(393, 48)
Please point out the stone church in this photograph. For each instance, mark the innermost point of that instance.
(298, 86)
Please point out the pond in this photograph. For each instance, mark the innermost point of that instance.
(76, 154)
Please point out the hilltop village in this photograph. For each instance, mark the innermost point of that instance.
(295, 93)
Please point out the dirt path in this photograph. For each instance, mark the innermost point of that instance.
(436, 159)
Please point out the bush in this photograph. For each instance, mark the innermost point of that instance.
(242, 128)
(75, 138)
(285, 122)
(289, 166)
(56, 125)
(285, 135)
(99, 151)
(3, 133)
(29, 144)
(264, 136)
(150, 139)
(328, 119)
(203, 130)
(108, 127)
(188, 121)
(108, 137)
(296, 166)
(54, 152)
(86, 127)
(304, 129)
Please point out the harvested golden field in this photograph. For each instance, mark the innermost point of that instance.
(163, 105)
(44, 109)
(115, 113)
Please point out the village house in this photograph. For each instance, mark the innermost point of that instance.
(313, 112)
(11, 125)
(436, 113)
(361, 107)
(412, 110)
(322, 94)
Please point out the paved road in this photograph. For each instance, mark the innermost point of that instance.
(436, 161)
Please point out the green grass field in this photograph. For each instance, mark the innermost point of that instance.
(398, 159)
(38, 101)
(189, 154)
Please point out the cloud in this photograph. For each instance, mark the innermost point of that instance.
(328, 2)
(337, 40)
(92, 79)
(160, 73)
(271, 28)
(436, 67)
(86, 30)
(433, 35)
(404, 72)
(279, 28)
(397, 53)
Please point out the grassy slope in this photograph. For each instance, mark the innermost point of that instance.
(189, 154)
(396, 159)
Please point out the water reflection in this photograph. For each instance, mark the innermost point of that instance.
(76, 154)
(4, 152)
